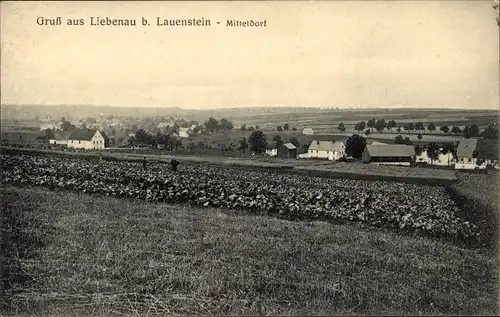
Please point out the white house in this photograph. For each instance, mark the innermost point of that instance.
(185, 132)
(87, 139)
(308, 131)
(326, 149)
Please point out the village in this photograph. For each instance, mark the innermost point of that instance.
(454, 150)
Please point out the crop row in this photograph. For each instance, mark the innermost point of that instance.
(420, 208)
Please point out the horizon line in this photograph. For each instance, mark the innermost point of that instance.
(257, 107)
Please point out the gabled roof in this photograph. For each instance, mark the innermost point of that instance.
(62, 135)
(193, 126)
(390, 150)
(377, 143)
(82, 135)
(185, 130)
(326, 146)
(466, 147)
(104, 135)
(290, 146)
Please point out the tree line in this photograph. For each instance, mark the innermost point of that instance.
(491, 132)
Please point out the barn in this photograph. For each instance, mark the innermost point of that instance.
(390, 154)
(287, 150)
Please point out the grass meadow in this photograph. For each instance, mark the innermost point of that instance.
(73, 254)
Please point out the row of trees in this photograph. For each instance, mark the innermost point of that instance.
(142, 137)
(381, 124)
(250, 128)
(491, 132)
(285, 127)
(279, 128)
(212, 125)
(257, 142)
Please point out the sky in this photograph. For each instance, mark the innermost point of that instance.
(337, 53)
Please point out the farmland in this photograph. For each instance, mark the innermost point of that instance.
(71, 253)
(421, 209)
(326, 122)
(482, 187)
(322, 121)
(312, 167)
(244, 234)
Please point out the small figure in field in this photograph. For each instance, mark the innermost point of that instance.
(174, 163)
(100, 157)
(144, 163)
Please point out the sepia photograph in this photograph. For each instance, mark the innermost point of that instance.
(249, 158)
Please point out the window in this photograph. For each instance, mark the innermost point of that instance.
(79, 142)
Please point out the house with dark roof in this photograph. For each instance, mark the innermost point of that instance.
(488, 150)
(88, 139)
(466, 154)
(389, 154)
(272, 148)
(287, 150)
(326, 149)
